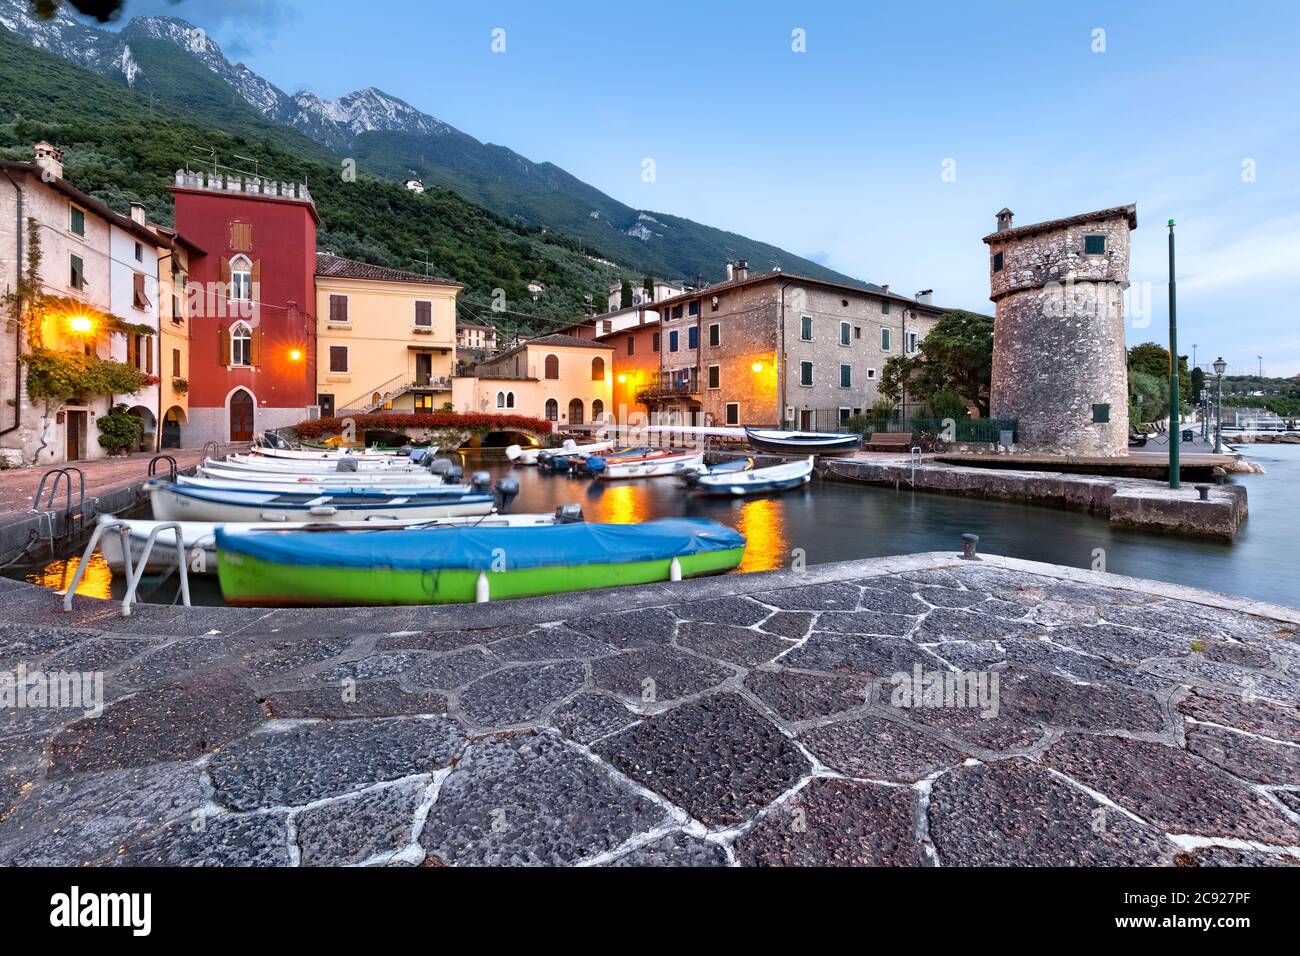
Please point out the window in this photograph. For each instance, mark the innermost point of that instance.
(693, 308)
(338, 308)
(846, 376)
(76, 272)
(805, 328)
(338, 358)
(510, 399)
(1100, 414)
(677, 312)
(715, 376)
(884, 307)
(241, 236)
(871, 375)
(241, 344)
(631, 345)
(423, 402)
(138, 298)
(912, 343)
(77, 221)
(845, 333)
(857, 331)
(176, 310)
(997, 262)
(713, 304)
(139, 252)
(552, 366)
(598, 369)
(885, 339)
(693, 337)
(654, 342)
(176, 363)
(844, 414)
(241, 279)
(805, 373)
(1094, 245)
(552, 410)
(424, 314)
(672, 341)
(715, 335)
(575, 412)
(597, 410)
(733, 413)
(501, 399)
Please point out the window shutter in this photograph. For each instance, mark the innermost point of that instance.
(255, 347)
(225, 278)
(148, 354)
(223, 336)
(131, 352)
(256, 278)
(241, 236)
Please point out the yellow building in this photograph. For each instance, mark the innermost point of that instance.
(174, 337)
(385, 339)
(561, 378)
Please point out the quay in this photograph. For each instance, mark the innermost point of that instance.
(743, 720)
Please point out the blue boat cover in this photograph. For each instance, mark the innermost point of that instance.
(484, 549)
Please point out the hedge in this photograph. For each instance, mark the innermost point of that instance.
(473, 421)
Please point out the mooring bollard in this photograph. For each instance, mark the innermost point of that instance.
(1204, 492)
(969, 542)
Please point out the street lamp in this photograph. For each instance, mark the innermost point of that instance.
(1220, 366)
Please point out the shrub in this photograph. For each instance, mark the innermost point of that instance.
(947, 404)
(57, 376)
(120, 429)
(471, 421)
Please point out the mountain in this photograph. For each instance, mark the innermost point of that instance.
(121, 146)
(178, 63)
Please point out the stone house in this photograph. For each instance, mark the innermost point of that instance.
(561, 378)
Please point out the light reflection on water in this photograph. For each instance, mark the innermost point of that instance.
(57, 575)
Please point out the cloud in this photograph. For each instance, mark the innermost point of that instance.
(241, 27)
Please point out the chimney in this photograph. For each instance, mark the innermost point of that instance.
(1004, 219)
(885, 288)
(925, 296)
(741, 270)
(730, 271)
(50, 159)
(137, 212)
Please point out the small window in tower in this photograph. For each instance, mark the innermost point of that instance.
(1100, 414)
(997, 262)
(1094, 245)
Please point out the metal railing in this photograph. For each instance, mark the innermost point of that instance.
(684, 381)
(959, 430)
(134, 568)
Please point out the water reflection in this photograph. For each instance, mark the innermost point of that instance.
(57, 575)
(761, 521)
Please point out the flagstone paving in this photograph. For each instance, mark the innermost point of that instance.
(791, 718)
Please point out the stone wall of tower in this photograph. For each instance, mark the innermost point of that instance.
(1058, 342)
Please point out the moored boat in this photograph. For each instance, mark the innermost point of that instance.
(173, 502)
(328, 484)
(652, 464)
(324, 454)
(460, 565)
(802, 443)
(750, 481)
(348, 479)
(308, 466)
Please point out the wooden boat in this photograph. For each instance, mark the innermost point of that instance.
(173, 502)
(560, 459)
(751, 481)
(306, 466)
(326, 484)
(653, 464)
(341, 479)
(324, 454)
(460, 565)
(199, 537)
(802, 443)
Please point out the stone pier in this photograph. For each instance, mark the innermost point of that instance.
(911, 711)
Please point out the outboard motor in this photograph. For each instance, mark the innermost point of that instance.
(346, 463)
(439, 466)
(569, 514)
(595, 464)
(454, 474)
(426, 459)
(481, 480)
(507, 490)
(513, 452)
(561, 465)
(545, 461)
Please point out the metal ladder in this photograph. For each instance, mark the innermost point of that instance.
(73, 520)
(171, 467)
(134, 569)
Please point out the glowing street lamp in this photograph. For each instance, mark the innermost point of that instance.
(81, 324)
(295, 355)
(757, 367)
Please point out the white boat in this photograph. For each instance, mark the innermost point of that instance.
(735, 482)
(173, 502)
(652, 465)
(200, 536)
(324, 454)
(801, 443)
(323, 484)
(387, 477)
(569, 449)
(306, 467)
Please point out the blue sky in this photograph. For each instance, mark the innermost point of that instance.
(837, 153)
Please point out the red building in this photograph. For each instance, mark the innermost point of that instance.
(251, 303)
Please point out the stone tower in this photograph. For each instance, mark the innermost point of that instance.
(1059, 359)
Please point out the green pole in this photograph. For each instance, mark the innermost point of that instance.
(1175, 435)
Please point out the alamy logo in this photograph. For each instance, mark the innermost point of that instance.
(22, 689)
(74, 909)
(977, 690)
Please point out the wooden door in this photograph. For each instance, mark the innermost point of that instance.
(423, 368)
(75, 428)
(241, 416)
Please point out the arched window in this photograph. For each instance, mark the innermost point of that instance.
(241, 344)
(510, 399)
(597, 411)
(501, 399)
(552, 366)
(241, 279)
(376, 398)
(575, 412)
(598, 369)
(552, 410)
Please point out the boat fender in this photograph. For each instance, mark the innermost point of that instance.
(569, 514)
(595, 464)
(507, 490)
(481, 479)
(323, 511)
(346, 463)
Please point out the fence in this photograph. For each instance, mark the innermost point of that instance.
(972, 430)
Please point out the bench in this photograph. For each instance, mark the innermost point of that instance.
(888, 440)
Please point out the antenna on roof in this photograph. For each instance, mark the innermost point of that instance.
(211, 152)
(257, 166)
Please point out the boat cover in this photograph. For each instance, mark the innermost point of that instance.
(485, 549)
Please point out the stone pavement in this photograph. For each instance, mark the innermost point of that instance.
(748, 719)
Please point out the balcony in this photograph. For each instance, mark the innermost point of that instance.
(678, 383)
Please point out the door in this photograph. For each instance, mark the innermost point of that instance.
(76, 430)
(241, 416)
(806, 419)
(423, 368)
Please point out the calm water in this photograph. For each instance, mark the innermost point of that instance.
(838, 522)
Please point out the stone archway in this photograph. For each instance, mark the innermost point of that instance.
(174, 421)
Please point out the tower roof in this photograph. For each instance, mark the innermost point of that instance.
(1129, 212)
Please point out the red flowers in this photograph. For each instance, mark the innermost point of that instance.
(473, 421)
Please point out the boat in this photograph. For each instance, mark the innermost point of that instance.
(347, 479)
(802, 443)
(651, 464)
(736, 482)
(460, 565)
(174, 502)
(306, 466)
(558, 459)
(324, 454)
(328, 484)
(200, 536)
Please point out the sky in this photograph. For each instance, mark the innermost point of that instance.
(878, 138)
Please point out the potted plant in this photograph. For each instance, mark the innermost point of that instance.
(120, 431)
(180, 385)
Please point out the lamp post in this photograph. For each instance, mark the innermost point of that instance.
(1175, 434)
(1220, 366)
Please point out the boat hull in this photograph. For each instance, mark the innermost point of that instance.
(649, 468)
(803, 443)
(758, 481)
(174, 503)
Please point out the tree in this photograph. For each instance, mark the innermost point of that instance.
(1152, 359)
(956, 356)
(625, 302)
(648, 287)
